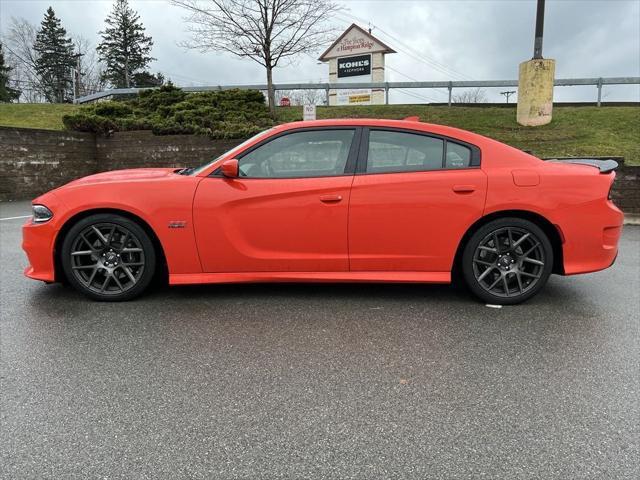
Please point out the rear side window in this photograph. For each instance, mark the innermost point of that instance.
(458, 156)
(395, 151)
(403, 152)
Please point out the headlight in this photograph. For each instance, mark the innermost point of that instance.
(41, 214)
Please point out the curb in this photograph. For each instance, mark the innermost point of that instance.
(631, 219)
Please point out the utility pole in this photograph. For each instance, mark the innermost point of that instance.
(75, 77)
(508, 94)
(535, 81)
(537, 43)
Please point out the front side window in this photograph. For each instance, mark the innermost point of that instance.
(403, 152)
(313, 153)
(229, 154)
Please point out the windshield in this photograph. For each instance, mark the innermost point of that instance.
(231, 152)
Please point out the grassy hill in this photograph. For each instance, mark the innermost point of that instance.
(574, 131)
(35, 115)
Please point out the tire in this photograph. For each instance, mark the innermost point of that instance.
(108, 258)
(507, 261)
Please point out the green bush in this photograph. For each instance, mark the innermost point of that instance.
(169, 110)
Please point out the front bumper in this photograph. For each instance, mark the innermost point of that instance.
(38, 241)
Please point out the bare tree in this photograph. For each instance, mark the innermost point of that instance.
(20, 39)
(22, 57)
(477, 95)
(302, 97)
(89, 74)
(267, 31)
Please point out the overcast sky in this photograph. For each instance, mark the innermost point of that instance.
(435, 40)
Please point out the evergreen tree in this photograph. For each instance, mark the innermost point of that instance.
(124, 48)
(7, 94)
(55, 59)
(148, 79)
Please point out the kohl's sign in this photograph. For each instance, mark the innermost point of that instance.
(354, 66)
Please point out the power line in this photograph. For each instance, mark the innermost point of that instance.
(411, 52)
(416, 57)
(420, 60)
(184, 77)
(414, 79)
(415, 52)
(425, 97)
(416, 95)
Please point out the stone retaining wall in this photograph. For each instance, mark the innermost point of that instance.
(144, 149)
(626, 190)
(34, 161)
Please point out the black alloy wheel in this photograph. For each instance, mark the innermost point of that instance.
(108, 257)
(507, 261)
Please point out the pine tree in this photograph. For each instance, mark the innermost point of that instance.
(124, 48)
(148, 79)
(7, 94)
(55, 58)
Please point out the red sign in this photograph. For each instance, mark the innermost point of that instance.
(285, 102)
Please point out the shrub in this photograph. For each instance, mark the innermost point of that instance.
(170, 110)
(112, 109)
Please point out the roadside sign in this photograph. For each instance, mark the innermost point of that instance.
(360, 96)
(309, 112)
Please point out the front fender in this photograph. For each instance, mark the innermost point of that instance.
(161, 204)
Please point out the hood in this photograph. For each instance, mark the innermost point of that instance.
(134, 175)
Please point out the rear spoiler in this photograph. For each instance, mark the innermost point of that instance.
(604, 165)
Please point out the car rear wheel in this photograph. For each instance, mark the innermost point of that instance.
(507, 261)
(108, 257)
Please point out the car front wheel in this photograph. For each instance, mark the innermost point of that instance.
(108, 257)
(507, 261)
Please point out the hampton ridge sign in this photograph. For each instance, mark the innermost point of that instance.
(356, 57)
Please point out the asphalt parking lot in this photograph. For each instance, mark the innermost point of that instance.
(320, 381)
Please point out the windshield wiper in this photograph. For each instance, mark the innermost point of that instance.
(185, 171)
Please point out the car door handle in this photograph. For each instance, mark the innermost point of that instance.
(464, 188)
(330, 198)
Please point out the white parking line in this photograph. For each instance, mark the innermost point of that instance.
(14, 218)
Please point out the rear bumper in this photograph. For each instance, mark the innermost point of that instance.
(591, 235)
(38, 243)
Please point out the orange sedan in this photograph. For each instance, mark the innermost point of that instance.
(334, 201)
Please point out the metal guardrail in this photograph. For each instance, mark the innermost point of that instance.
(386, 86)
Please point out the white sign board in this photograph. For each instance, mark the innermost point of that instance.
(309, 112)
(356, 57)
(354, 69)
(361, 96)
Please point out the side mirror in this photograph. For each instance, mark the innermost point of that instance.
(230, 168)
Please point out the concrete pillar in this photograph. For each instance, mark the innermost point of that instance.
(332, 98)
(377, 75)
(535, 92)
